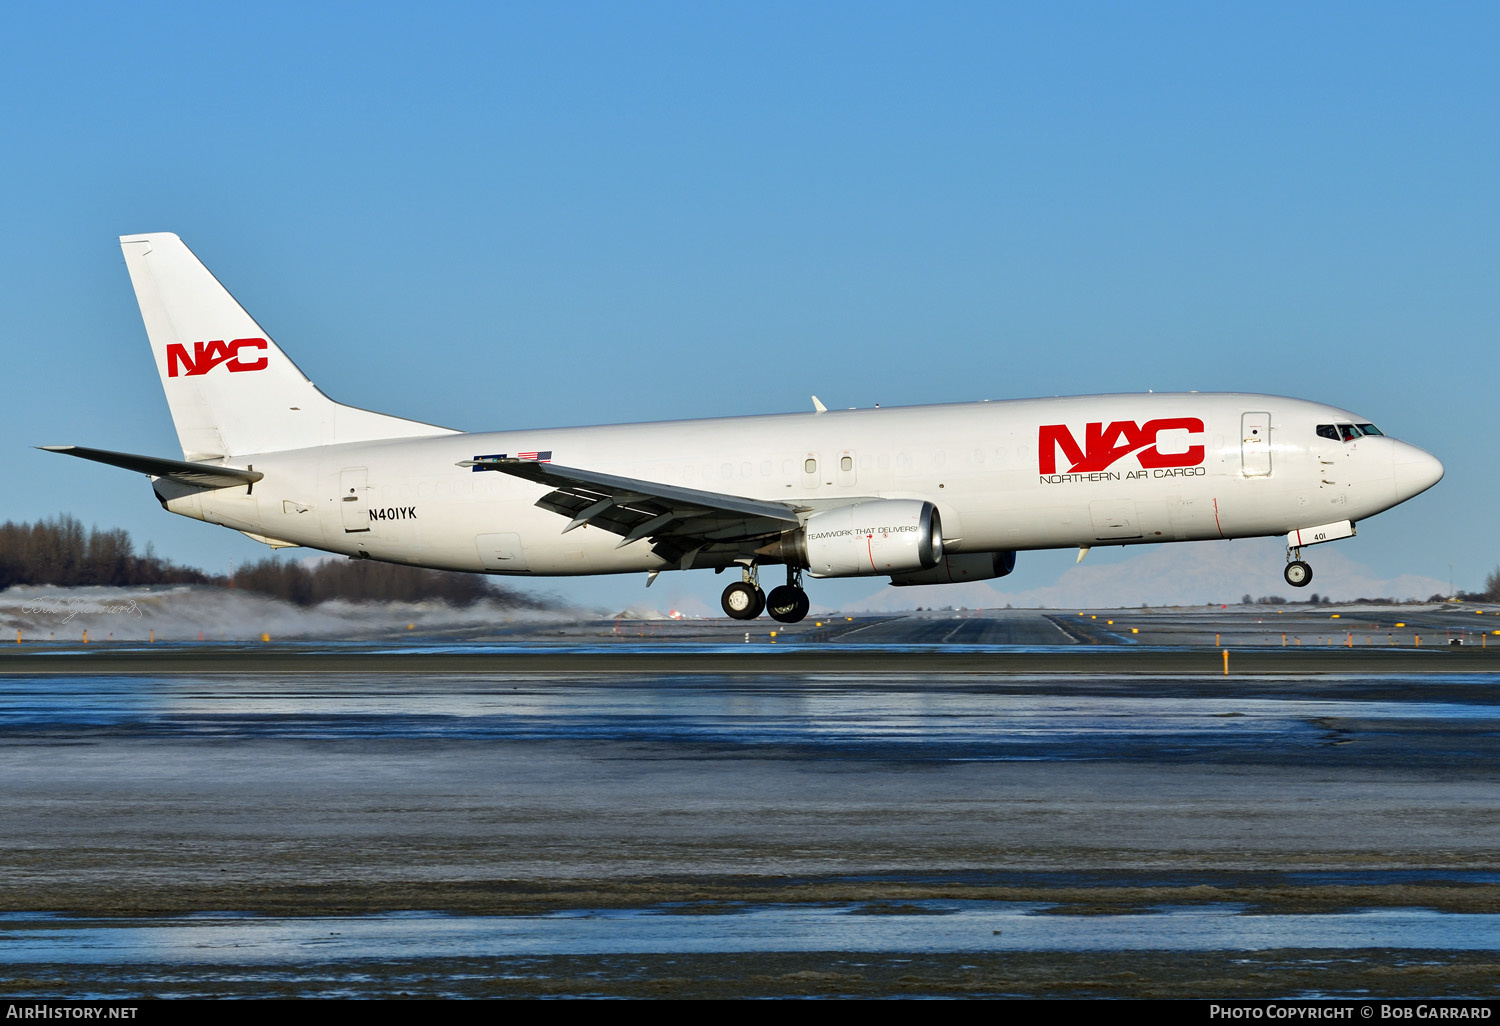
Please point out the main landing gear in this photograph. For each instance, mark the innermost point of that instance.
(1297, 573)
(789, 603)
(744, 600)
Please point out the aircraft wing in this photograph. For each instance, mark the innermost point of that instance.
(204, 474)
(679, 521)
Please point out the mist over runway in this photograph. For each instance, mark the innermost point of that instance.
(926, 779)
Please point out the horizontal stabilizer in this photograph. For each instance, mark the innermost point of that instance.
(203, 474)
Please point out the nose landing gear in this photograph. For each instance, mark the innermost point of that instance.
(1297, 573)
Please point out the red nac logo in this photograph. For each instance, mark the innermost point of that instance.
(208, 355)
(1105, 445)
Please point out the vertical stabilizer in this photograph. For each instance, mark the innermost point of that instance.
(231, 389)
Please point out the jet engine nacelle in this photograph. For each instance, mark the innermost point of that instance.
(958, 567)
(883, 536)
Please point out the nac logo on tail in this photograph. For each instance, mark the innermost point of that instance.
(208, 355)
(1106, 444)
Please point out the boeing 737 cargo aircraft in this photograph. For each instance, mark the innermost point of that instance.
(922, 495)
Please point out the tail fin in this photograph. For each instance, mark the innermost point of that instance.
(231, 390)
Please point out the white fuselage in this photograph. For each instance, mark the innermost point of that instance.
(1005, 476)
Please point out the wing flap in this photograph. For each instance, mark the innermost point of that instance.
(678, 520)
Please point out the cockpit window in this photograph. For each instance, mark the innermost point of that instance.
(1346, 432)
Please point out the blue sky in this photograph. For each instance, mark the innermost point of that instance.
(501, 215)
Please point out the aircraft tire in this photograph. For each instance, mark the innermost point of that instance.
(787, 604)
(1298, 574)
(743, 600)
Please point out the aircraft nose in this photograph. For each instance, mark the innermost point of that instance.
(1416, 470)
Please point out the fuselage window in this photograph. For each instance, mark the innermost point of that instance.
(810, 467)
(846, 463)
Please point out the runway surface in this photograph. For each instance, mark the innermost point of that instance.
(892, 805)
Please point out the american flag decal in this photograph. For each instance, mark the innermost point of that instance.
(541, 456)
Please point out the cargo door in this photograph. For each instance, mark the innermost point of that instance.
(1114, 519)
(502, 552)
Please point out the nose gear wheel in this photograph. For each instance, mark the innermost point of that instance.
(1297, 573)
